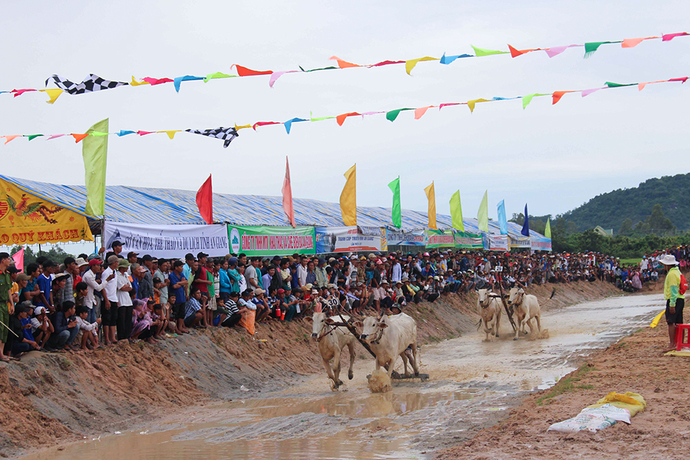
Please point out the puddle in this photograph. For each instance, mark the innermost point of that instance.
(472, 384)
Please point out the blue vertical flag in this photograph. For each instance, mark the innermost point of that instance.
(525, 226)
(502, 222)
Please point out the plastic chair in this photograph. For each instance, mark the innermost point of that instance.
(682, 340)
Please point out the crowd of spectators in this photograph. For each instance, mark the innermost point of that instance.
(94, 301)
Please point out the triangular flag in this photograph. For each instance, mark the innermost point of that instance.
(53, 94)
(396, 210)
(135, 82)
(341, 118)
(204, 201)
(11, 137)
(287, 195)
(419, 112)
(456, 212)
(245, 72)
(33, 136)
(483, 214)
(473, 102)
(557, 95)
(393, 114)
(409, 65)
(78, 137)
(431, 210)
(343, 64)
(348, 197)
(484, 52)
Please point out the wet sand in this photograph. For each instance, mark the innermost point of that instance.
(473, 384)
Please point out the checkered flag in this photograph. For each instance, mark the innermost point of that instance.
(227, 134)
(89, 85)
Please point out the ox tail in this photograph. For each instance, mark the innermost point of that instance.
(553, 293)
(479, 324)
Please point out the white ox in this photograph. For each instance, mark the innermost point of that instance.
(332, 340)
(526, 308)
(489, 306)
(389, 337)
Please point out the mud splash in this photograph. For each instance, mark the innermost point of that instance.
(472, 385)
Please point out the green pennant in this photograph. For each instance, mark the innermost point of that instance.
(393, 114)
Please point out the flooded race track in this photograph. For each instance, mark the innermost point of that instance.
(472, 384)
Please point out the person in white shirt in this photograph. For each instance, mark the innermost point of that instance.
(125, 307)
(302, 272)
(109, 309)
(90, 301)
(396, 273)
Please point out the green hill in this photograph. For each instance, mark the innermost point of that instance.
(612, 209)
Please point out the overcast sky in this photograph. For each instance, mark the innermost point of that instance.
(552, 157)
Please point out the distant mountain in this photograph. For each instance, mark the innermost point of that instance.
(610, 210)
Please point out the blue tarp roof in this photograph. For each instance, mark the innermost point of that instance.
(169, 206)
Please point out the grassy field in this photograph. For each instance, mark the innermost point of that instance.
(633, 261)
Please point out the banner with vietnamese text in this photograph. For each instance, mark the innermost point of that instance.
(271, 241)
(344, 239)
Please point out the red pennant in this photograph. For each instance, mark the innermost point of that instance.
(379, 64)
(245, 72)
(683, 80)
(265, 123)
(19, 92)
(515, 53)
(341, 118)
(557, 95)
(204, 201)
(78, 137)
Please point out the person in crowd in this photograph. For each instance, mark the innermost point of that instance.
(41, 327)
(125, 307)
(66, 327)
(194, 309)
(87, 330)
(178, 290)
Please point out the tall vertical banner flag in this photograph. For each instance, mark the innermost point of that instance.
(547, 231)
(431, 196)
(456, 212)
(502, 222)
(95, 153)
(204, 201)
(525, 226)
(396, 211)
(18, 258)
(483, 213)
(287, 195)
(348, 198)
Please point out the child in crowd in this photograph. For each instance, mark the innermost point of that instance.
(88, 331)
(194, 310)
(159, 322)
(41, 327)
(168, 315)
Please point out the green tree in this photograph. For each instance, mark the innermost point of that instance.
(626, 227)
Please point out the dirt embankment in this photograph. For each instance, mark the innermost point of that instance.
(52, 398)
(633, 364)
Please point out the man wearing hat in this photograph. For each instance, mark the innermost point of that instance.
(675, 301)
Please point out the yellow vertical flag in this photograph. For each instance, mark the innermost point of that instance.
(431, 196)
(483, 213)
(547, 231)
(456, 212)
(95, 154)
(348, 198)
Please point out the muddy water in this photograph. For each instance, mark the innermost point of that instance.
(472, 384)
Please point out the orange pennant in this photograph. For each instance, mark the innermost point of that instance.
(12, 137)
(633, 42)
(343, 64)
(515, 53)
(419, 113)
(78, 137)
(245, 72)
(341, 118)
(557, 95)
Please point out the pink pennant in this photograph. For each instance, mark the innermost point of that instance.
(587, 92)
(276, 75)
(682, 80)
(55, 136)
(156, 81)
(19, 92)
(419, 113)
(669, 37)
(11, 137)
(144, 133)
(371, 113)
(555, 51)
(448, 104)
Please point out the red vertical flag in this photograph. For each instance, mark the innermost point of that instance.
(204, 201)
(287, 195)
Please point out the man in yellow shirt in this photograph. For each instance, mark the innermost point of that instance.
(674, 300)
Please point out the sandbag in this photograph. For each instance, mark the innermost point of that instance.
(593, 419)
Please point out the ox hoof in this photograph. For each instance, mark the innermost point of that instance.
(350, 375)
(496, 335)
(416, 374)
(340, 382)
(515, 338)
